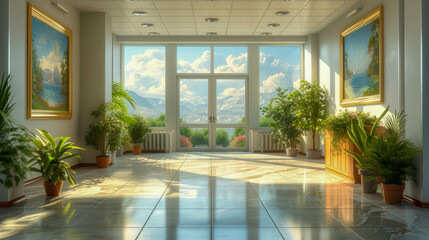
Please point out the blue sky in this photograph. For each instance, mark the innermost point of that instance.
(356, 46)
(50, 44)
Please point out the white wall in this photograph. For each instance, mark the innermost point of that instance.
(18, 67)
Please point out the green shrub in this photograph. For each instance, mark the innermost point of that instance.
(138, 129)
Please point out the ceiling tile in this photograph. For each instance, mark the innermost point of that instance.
(145, 19)
(211, 5)
(146, 31)
(247, 13)
(155, 25)
(276, 19)
(308, 19)
(265, 25)
(240, 31)
(212, 25)
(324, 5)
(244, 19)
(175, 13)
(315, 13)
(179, 25)
(173, 5)
(250, 5)
(272, 13)
(302, 25)
(273, 31)
(203, 19)
(242, 25)
(181, 31)
(135, 5)
(120, 20)
(178, 19)
(211, 13)
(151, 13)
(204, 31)
(286, 5)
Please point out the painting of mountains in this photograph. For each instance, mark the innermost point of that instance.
(49, 79)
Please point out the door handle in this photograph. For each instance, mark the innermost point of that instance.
(210, 118)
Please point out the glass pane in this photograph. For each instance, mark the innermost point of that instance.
(193, 59)
(194, 106)
(230, 59)
(279, 66)
(194, 137)
(145, 81)
(230, 137)
(230, 101)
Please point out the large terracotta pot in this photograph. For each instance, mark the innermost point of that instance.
(368, 185)
(137, 149)
(292, 152)
(314, 154)
(51, 189)
(392, 193)
(103, 161)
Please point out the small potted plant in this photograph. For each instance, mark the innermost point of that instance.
(137, 130)
(310, 101)
(363, 141)
(49, 155)
(281, 110)
(391, 158)
(96, 137)
(114, 139)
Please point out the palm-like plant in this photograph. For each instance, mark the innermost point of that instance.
(120, 100)
(50, 156)
(6, 105)
(390, 157)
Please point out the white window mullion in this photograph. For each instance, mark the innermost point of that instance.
(253, 69)
(171, 86)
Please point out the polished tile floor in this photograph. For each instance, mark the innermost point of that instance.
(201, 196)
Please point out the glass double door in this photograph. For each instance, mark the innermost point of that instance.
(212, 114)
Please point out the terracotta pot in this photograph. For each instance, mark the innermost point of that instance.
(103, 161)
(314, 154)
(51, 189)
(392, 193)
(292, 152)
(137, 149)
(368, 186)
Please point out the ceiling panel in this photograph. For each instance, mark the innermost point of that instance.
(236, 17)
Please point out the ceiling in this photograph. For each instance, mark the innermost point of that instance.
(236, 17)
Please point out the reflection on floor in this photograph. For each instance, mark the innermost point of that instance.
(211, 196)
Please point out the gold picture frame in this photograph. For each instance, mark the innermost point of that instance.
(49, 67)
(361, 61)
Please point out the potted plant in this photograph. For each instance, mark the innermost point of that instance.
(14, 146)
(96, 137)
(310, 101)
(281, 110)
(49, 154)
(114, 139)
(363, 141)
(137, 130)
(391, 158)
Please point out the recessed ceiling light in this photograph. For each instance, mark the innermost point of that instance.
(211, 33)
(273, 25)
(353, 12)
(154, 33)
(146, 25)
(139, 13)
(266, 34)
(282, 13)
(212, 19)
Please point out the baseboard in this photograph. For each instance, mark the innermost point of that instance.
(12, 202)
(416, 202)
(147, 151)
(88, 165)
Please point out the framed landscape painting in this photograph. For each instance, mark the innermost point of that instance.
(49, 49)
(361, 65)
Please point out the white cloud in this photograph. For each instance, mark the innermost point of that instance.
(276, 62)
(236, 92)
(262, 57)
(270, 84)
(185, 91)
(198, 66)
(53, 60)
(234, 64)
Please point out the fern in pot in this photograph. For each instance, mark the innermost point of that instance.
(138, 130)
(391, 158)
(281, 110)
(48, 159)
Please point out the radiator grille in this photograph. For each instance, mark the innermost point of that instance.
(158, 141)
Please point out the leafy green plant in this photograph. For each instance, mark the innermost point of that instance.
(282, 111)
(14, 150)
(120, 100)
(50, 154)
(310, 101)
(362, 140)
(337, 125)
(139, 129)
(391, 158)
(114, 138)
(6, 105)
(97, 135)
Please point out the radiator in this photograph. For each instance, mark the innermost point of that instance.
(263, 141)
(159, 141)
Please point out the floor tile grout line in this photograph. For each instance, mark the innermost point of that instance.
(92, 208)
(153, 210)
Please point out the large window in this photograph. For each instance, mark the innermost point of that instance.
(193, 59)
(144, 78)
(279, 66)
(230, 59)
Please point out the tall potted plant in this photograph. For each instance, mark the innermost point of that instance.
(114, 139)
(310, 101)
(391, 158)
(363, 141)
(137, 130)
(96, 137)
(48, 158)
(281, 110)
